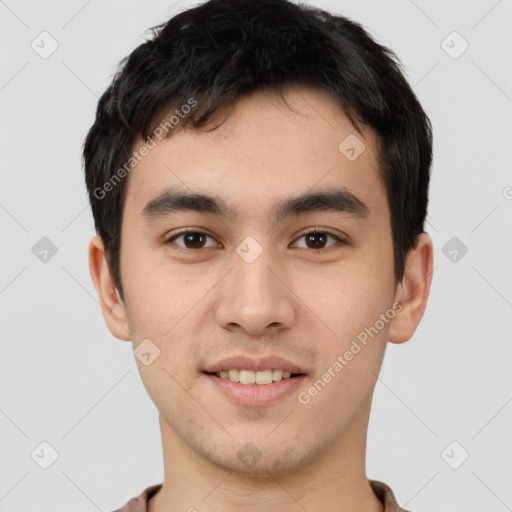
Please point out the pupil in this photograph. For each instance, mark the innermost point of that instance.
(314, 237)
(192, 238)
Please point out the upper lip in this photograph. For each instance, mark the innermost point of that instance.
(254, 364)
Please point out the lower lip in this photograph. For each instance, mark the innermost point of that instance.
(256, 394)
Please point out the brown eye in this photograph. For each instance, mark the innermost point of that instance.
(192, 240)
(317, 240)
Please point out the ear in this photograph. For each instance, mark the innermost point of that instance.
(413, 290)
(112, 306)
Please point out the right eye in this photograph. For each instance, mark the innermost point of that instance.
(193, 240)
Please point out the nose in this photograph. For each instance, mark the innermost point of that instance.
(256, 298)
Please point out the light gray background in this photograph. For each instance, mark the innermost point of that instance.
(65, 380)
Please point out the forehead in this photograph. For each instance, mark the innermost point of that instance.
(267, 148)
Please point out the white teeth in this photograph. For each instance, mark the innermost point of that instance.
(247, 377)
(234, 375)
(264, 377)
(251, 377)
(277, 375)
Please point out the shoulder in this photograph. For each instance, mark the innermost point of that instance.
(140, 503)
(386, 495)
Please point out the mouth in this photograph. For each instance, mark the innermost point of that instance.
(260, 378)
(255, 388)
(254, 381)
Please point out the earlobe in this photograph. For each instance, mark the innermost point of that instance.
(112, 306)
(413, 290)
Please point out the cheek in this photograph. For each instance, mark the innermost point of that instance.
(158, 294)
(353, 352)
(348, 298)
(169, 307)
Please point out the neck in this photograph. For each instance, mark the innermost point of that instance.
(334, 480)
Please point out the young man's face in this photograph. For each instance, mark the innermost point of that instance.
(252, 286)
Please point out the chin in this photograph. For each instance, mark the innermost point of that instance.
(263, 460)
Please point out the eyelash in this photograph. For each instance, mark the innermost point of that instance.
(313, 231)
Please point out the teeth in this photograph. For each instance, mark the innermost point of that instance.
(251, 377)
(264, 377)
(247, 377)
(234, 375)
(277, 375)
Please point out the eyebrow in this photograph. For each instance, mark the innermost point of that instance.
(173, 200)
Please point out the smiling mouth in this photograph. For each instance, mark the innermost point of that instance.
(262, 377)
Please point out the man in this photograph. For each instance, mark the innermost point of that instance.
(258, 174)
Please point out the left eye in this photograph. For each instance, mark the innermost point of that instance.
(318, 238)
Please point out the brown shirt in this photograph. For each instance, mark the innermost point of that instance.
(381, 490)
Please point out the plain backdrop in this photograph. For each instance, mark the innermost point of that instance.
(439, 433)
